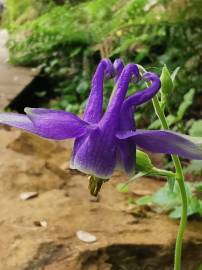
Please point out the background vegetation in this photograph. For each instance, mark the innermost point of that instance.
(66, 39)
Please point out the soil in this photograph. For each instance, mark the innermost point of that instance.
(40, 233)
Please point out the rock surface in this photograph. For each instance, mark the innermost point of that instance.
(13, 79)
(126, 237)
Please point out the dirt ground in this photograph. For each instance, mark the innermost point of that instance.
(40, 233)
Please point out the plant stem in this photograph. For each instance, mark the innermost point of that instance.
(180, 179)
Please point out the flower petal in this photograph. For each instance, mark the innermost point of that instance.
(143, 96)
(93, 111)
(49, 124)
(112, 114)
(95, 154)
(118, 67)
(127, 111)
(126, 156)
(167, 142)
(17, 120)
(57, 125)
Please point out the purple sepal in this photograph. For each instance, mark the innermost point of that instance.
(51, 124)
(94, 107)
(118, 68)
(162, 141)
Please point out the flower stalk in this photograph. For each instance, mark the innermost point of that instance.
(179, 178)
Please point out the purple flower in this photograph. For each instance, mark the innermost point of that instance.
(106, 140)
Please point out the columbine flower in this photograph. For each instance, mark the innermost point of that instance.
(105, 141)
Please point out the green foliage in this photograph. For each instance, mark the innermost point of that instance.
(175, 119)
(19, 12)
(144, 167)
(186, 103)
(122, 187)
(194, 168)
(170, 202)
(67, 41)
(143, 162)
(200, 267)
(196, 129)
(166, 86)
(51, 34)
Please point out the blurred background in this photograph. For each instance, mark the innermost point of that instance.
(66, 39)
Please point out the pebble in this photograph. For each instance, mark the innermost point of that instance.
(86, 237)
(28, 195)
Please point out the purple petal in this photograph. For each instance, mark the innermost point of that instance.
(77, 143)
(18, 121)
(112, 114)
(50, 124)
(128, 107)
(126, 156)
(125, 151)
(167, 142)
(94, 108)
(118, 67)
(144, 95)
(95, 154)
(57, 125)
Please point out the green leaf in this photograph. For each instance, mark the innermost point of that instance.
(200, 267)
(174, 74)
(166, 86)
(166, 81)
(187, 102)
(146, 200)
(195, 167)
(194, 206)
(171, 201)
(171, 119)
(131, 200)
(176, 213)
(200, 210)
(155, 125)
(122, 187)
(196, 129)
(198, 186)
(171, 183)
(145, 167)
(136, 176)
(163, 197)
(143, 162)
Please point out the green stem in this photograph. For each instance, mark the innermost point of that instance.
(159, 172)
(180, 179)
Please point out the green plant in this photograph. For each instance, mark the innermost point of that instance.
(166, 201)
(196, 129)
(81, 33)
